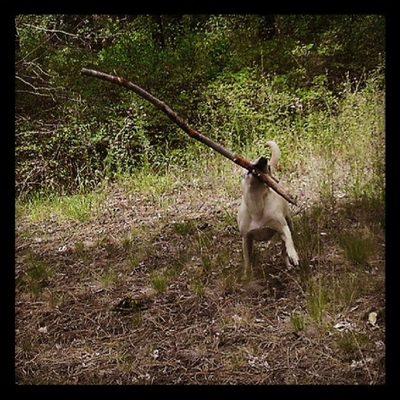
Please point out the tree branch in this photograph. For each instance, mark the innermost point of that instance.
(51, 30)
(266, 178)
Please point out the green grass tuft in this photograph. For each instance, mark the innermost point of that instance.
(198, 287)
(358, 247)
(185, 228)
(37, 275)
(78, 207)
(159, 282)
(298, 322)
(108, 278)
(317, 299)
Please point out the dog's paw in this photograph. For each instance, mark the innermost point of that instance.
(293, 258)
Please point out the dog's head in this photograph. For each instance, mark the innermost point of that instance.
(261, 164)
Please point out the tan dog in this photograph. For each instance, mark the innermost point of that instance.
(263, 212)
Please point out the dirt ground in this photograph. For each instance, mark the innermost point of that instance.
(151, 292)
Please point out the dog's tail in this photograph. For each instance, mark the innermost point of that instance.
(276, 153)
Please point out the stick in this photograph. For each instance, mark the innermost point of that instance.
(268, 179)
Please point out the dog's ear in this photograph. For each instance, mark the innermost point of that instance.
(262, 164)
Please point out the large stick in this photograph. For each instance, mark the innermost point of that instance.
(266, 178)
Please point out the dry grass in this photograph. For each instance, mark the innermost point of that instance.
(151, 292)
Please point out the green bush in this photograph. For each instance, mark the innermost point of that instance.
(242, 80)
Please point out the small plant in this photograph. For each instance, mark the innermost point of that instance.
(159, 282)
(223, 257)
(37, 274)
(346, 289)
(206, 262)
(350, 343)
(108, 244)
(126, 242)
(78, 207)
(297, 321)
(306, 235)
(317, 299)
(137, 319)
(229, 282)
(204, 240)
(135, 258)
(198, 288)
(358, 247)
(237, 361)
(174, 269)
(108, 278)
(228, 218)
(184, 228)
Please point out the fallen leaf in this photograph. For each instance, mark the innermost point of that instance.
(372, 318)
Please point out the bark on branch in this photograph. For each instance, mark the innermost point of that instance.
(266, 178)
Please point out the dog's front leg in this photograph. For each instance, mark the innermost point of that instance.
(247, 244)
(291, 256)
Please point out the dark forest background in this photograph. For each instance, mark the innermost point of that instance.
(235, 77)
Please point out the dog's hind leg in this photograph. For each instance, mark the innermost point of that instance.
(247, 244)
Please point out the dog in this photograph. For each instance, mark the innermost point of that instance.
(263, 213)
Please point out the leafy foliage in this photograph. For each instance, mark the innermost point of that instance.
(237, 77)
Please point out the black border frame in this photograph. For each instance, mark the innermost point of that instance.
(7, 290)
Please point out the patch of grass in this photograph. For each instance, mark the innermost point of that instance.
(307, 235)
(139, 232)
(230, 281)
(27, 344)
(298, 321)
(184, 228)
(304, 274)
(345, 289)
(236, 361)
(108, 244)
(81, 251)
(223, 258)
(135, 258)
(37, 275)
(149, 182)
(174, 269)
(127, 242)
(317, 299)
(228, 218)
(197, 287)
(206, 263)
(202, 246)
(78, 207)
(159, 281)
(358, 247)
(79, 248)
(108, 278)
(126, 362)
(137, 319)
(204, 240)
(349, 343)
